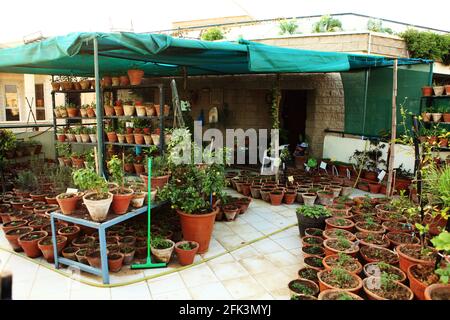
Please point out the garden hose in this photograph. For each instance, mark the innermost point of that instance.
(99, 285)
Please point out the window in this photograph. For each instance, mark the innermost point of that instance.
(40, 106)
(11, 103)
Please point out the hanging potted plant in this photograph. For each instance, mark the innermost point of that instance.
(135, 76)
(311, 217)
(97, 198)
(121, 196)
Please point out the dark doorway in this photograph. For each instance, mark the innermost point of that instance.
(293, 117)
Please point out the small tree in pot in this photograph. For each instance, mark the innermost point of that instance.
(97, 199)
(311, 217)
(122, 196)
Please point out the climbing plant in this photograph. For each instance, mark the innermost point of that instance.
(275, 107)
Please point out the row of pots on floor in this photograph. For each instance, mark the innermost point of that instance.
(233, 209)
(320, 257)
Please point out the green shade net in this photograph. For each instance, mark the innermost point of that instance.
(372, 117)
(162, 55)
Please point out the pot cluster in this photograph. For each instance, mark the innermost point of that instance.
(366, 250)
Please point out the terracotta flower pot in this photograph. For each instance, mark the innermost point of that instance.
(406, 261)
(427, 91)
(156, 182)
(186, 257)
(335, 223)
(128, 253)
(112, 136)
(198, 228)
(276, 198)
(121, 202)
(14, 225)
(375, 283)
(135, 76)
(72, 112)
(446, 115)
(94, 259)
(325, 286)
(13, 236)
(139, 138)
(129, 109)
(109, 110)
(245, 189)
(124, 81)
(46, 247)
(118, 110)
(70, 253)
(70, 232)
(336, 294)
(374, 187)
(373, 269)
(289, 197)
(68, 202)
(231, 211)
(438, 291)
(29, 243)
(115, 261)
(354, 266)
(140, 111)
(325, 197)
(331, 250)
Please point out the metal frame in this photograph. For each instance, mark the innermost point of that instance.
(101, 227)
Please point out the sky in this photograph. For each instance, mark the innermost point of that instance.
(23, 17)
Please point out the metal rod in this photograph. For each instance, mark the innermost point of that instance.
(99, 112)
(393, 131)
(54, 120)
(161, 120)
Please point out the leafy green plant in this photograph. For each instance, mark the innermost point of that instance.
(115, 168)
(160, 243)
(341, 276)
(442, 242)
(311, 163)
(26, 181)
(302, 288)
(213, 34)
(88, 179)
(314, 212)
(443, 273)
(187, 246)
(388, 281)
(327, 24)
(427, 45)
(288, 26)
(377, 26)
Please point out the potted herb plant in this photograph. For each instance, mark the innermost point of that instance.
(386, 287)
(97, 198)
(162, 248)
(186, 251)
(311, 217)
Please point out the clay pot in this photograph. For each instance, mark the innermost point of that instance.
(265, 193)
(29, 243)
(332, 223)
(438, 291)
(352, 251)
(46, 247)
(115, 261)
(163, 255)
(81, 255)
(112, 136)
(14, 225)
(392, 256)
(139, 138)
(13, 236)
(109, 110)
(121, 202)
(407, 261)
(373, 270)
(325, 197)
(70, 232)
(245, 189)
(314, 232)
(140, 111)
(375, 282)
(68, 205)
(427, 91)
(72, 112)
(198, 228)
(157, 182)
(128, 253)
(289, 197)
(328, 266)
(308, 283)
(135, 76)
(98, 209)
(128, 109)
(336, 294)
(186, 257)
(94, 259)
(70, 253)
(137, 201)
(374, 187)
(309, 198)
(276, 197)
(231, 211)
(324, 286)
(255, 191)
(438, 90)
(118, 110)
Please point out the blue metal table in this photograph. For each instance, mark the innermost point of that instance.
(83, 218)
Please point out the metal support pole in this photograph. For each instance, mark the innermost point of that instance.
(99, 111)
(393, 130)
(161, 120)
(54, 120)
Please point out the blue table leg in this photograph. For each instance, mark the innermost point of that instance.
(55, 245)
(103, 255)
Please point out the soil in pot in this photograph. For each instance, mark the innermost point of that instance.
(127, 241)
(308, 274)
(395, 226)
(14, 224)
(29, 243)
(369, 226)
(438, 291)
(186, 251)
(93, 258)
(162, 249)
(70, 232)
(128, 253)
(303, 287)
(386, 288)
(375, 269)
(340, 210)
(314, 262)
(336, 294)
(81, 255)
(312, 251)
(339, 279)
(312, 240)
(68, 202)
(83, 241)
(70, 253)
(115, 261)
(377, 254)
(420, 277)
(372, 239)
(410, 254)
(338, 233)
(397, 238)
(231, 211)
(339, 223)
(46, 247)
(13, 236)
(340, 245)
(342, 261)
(314, 232)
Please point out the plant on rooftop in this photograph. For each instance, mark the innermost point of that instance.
(427, 45)
(212, 34)
(327, 24)
(288, 26)
(377, 26)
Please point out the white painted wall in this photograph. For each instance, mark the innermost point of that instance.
(341, 149)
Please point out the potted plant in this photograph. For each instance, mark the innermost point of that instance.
(344, 261)
(72, 110)
(13, 235)
(338, 278)
(29, 243)
(190, 194)
(121, 196)
(69, 232)
(303, 287)
(128, 253)
(115, 261)
(83, 110)
(377, 254)
(128, 108)
(427, 91)
(438, 90)
(120, 132)
(135, 76)
(339, 223)
(311, 217)
(375, 269)
(386, 287)
(46, 247)
(160, 175)
(337, 294)
(68, 202)
(186, 251)
(162, 248)
(276, 197)
(111, 134)
(372, 239)
(97, 198)
(118, 108)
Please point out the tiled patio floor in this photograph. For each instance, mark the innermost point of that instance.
(249, 258)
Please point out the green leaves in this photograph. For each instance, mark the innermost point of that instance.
(116, 170)
(327, 24)
(314, 212)
(442, 241)
(212, 34)
(88, 179)
(427, 45)
(288, 26)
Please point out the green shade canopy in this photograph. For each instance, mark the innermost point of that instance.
(162, 55)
